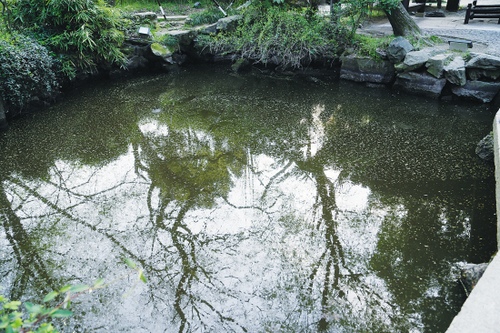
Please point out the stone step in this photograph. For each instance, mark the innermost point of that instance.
(172, 18)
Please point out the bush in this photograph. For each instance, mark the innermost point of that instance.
(287, 38)
(26, 71)
(84, 33)
(208, 16)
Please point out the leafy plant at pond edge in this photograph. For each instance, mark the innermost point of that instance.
(37, 317)
(286, 38)
(84, 33)
(26, 71)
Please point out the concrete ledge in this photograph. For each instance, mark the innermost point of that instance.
(481, 310)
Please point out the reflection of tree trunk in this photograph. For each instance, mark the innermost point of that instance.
(334, 254)
(30, 264)
(3, 119)
(188, 264)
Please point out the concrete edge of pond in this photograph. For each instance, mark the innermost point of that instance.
(480, 312)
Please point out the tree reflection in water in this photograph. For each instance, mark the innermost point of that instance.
(247, 221)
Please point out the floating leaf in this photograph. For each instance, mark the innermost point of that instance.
(61, 313)
(65, 288)
(99, 283)
(50, 296)
(142, 277)
(130, 263)
(78, 288)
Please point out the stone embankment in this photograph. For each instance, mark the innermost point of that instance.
(435, 72)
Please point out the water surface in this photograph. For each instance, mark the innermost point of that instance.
(252, 203)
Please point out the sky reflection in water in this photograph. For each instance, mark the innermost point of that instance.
(253, 204)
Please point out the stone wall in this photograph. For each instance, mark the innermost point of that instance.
(435, 72)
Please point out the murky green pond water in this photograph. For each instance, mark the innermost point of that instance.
(253, 204)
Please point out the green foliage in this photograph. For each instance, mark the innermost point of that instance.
(353, 12)
(208, 16)
(388, 5)
(36, 317)
(26, 71)
(84, 33)
(170, 41)
(368, 45)
(285, 37)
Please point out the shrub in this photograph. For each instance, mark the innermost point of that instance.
(84, 33)
(369, 46)
(287, 38)
(208, 16)
(26, 71)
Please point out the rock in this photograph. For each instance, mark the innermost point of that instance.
(398, 49)
(184, 37)
(229, 23)
(415, 59)
(365, 69)
(484, 148)
(162, 52)
(470, 275)
(484, 61)
(197, 5)
(420, 83)
(209, 29)
(436, 13)
(241, 65)
(483, 66)
(455, 72)
(479, 91)
(145, 16)
(478, 74)
(435, 65)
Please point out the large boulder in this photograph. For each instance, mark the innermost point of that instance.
(484, 148)
(420, 83)
(365, 69)
(470, 275)
(483, 66)
(229, 23)
(415, 60)
(163, 52)
(398, 49)
(436, 64)
(481, 74)
(484, 61)
(480, 91)
(454, 72)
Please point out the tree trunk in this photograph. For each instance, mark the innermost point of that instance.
(401, 22)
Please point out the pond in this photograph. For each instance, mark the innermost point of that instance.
(252, 204)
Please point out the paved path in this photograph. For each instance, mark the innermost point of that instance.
(484, 33)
